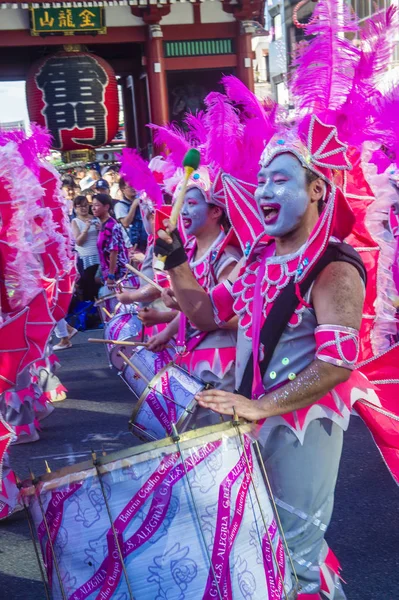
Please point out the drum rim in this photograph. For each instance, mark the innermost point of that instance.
(153, 383)
(120, 315)
(187, 440)
(110, 347)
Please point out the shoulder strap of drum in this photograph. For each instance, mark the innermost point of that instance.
(285, 305)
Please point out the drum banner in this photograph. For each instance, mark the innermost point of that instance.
(160, 540)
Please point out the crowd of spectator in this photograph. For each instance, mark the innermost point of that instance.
(108, 230)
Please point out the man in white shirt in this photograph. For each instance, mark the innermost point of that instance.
(108, 173)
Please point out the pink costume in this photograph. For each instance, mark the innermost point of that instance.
(36, 279)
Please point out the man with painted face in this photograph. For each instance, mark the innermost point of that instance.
(298, 295)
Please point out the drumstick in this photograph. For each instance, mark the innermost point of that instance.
(106, 312)
(144, 277)
(135, 369)
(117, 342)
(139, 373)
(190, 163)
(122, 343)
(104, 298)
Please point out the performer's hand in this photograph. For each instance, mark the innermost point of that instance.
(158, 342)
(169, 299)
(136, 257)
(124, 297)
(149, 316)
(169, 244)
(111, 284)
(225, 403)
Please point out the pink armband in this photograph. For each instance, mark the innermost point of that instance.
(222, 301)
(337, 345)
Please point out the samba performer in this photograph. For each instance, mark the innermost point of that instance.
(36, 279)
(147, 177)
(299, 292)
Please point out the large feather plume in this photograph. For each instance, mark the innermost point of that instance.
(323, 72)
(259, 121)
(377, 47)
(36, 145)
(196, 126)
(174, 139)
(139, 175)
(224, 144)
(357, 116)
(238, 93)
(386, 129)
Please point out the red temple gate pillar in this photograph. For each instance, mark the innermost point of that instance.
(245, 71)
(154, 60)
(158, 89)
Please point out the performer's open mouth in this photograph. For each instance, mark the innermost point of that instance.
(187, 223)
(270, 212)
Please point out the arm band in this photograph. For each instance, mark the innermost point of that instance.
(222, 302)
(337, 345)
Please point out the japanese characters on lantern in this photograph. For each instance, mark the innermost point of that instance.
(74, 95)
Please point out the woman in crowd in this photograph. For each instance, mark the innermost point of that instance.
(110, 245)
(85, 233)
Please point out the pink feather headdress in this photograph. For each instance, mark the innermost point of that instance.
(219, 134)
(147, 178)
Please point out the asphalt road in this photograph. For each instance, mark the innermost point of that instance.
(364, 532)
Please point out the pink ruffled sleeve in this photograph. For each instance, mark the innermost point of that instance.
(222, 301)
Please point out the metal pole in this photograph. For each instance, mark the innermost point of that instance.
(280, 527)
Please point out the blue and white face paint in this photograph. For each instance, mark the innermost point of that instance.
(195, 211)
(282, 194)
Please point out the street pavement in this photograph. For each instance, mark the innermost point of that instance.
(365, 528)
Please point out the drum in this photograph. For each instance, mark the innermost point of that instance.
(164, 396)
(122, 327)
(190, 521)
(109, 304)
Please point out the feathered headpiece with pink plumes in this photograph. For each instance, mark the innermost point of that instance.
(225, 137)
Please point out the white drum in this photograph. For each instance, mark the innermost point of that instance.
(168, 398)
(187, 524)
(125, 327)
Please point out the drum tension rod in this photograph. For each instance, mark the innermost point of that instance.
(32, 535)
(236, 424)
(96, 464)
(176, 439)
(35, 482)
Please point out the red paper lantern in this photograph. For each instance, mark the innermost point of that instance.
(75, 96)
